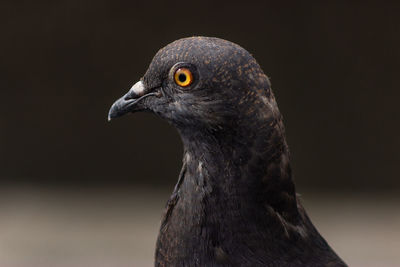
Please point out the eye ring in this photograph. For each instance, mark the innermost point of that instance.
(183, 77)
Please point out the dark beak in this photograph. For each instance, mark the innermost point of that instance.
(129, 102)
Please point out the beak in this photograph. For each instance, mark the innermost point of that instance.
(129, 102)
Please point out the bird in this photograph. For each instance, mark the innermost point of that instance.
(235, 202)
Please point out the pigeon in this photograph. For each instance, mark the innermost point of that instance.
(234, 203)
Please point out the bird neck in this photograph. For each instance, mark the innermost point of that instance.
(246, 166)
(235, 187)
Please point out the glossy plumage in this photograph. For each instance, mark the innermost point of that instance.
(235, 202)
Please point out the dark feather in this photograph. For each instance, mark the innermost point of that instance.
(235, 202)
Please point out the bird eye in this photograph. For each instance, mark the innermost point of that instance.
(183, 77)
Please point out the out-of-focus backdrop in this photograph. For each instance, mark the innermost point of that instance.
(76, 190)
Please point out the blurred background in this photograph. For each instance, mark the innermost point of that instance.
(76, 190)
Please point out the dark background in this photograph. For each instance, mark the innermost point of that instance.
(76, 190)
(334, 69)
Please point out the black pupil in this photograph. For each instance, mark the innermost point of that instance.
(182, 77)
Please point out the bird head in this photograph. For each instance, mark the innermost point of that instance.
(201, 83)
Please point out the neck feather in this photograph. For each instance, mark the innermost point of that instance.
(245, 166)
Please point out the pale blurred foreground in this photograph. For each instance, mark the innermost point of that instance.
(114, 227)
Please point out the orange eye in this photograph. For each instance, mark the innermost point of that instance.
(183, 77)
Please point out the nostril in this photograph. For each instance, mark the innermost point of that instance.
(132, 95)
(127, 97)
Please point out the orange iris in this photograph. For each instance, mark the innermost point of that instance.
(183, 77)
